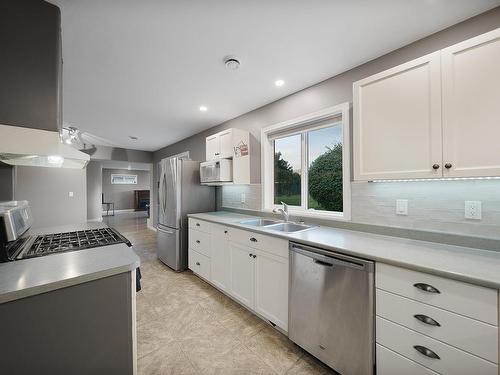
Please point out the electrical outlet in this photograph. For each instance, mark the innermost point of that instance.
(473, 210)
(70, 194)
(402, 207)
(243, 198)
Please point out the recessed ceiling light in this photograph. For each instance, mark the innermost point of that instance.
(279, 82)
(203, 108)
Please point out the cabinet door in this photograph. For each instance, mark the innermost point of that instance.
(220, 261)
(226, 144)
(242, 274)
(271, 288)
(397, 122)
(471, 106)
(212, 147)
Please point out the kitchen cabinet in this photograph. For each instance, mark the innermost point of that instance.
(233, 144)
(433, 117)
(250, 267)
(220, 266)
(242, 274)
(221, 145)
(471, 94)
(31, 65)
(397, 122)
(447, 326)
(271, 287)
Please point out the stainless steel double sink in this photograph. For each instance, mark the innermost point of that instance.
(286, 227)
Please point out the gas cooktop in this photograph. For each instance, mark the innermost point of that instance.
(70, 241)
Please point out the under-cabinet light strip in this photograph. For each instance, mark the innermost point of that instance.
(438, 179)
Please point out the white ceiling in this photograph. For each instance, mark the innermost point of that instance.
(143, 68)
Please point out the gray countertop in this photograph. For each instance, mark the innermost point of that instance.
(23, 278)
(480, 267)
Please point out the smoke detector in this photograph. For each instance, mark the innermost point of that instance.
(231, 62)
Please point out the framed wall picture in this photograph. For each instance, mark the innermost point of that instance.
(124, 179)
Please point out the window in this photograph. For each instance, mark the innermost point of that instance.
(306, 164)
(124, 179)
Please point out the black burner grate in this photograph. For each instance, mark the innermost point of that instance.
(70, 241)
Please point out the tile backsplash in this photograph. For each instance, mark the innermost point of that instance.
(432, 205)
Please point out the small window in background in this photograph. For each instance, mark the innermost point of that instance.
(325, 184)
(287, 170)
(124, 179)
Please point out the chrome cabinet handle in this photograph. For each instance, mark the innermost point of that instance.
(253, 239)
(250, 255)
(426, 320)
(426, 288)
(197, 241)
(427, 352)
(197, 263)
(197, 224)
(448, 165)
(435, 166)
(225, 231)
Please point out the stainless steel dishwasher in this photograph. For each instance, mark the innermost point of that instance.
(331, 308)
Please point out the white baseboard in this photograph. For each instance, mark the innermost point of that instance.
(150, 224)
(98, 219)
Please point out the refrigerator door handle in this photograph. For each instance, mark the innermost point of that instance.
(164, 230)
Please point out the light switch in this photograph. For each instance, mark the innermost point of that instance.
(473, 210)
(70, 194)
(402, 207)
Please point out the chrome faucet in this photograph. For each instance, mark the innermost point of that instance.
(283, 211)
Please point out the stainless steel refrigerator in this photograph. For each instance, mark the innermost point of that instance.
(180, 193)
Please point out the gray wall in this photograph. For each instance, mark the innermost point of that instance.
(123, 195)
(47, 190)
(94, 190)
(337, 90)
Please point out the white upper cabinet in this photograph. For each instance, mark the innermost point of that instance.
(436, 116)
(397, 122)
(471, 107)
(212, 147)
(233, 144)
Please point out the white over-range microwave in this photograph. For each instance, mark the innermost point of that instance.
(215, 171)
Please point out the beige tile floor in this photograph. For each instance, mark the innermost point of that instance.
(185, 326)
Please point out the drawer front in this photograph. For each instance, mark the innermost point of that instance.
(473, 336)
(203, 226)
(219, 230)
(273, 245)
(466, 299)
(391, 363)
(199, 264)
(200, 242)
(451, 360)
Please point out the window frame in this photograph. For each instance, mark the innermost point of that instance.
(267, 161)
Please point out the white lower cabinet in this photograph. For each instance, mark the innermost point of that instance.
(271, 288)
(242, 274)
(250, 267)
(391, 363)
(427, 324)
(220, 262)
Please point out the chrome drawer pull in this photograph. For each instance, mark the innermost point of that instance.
(426, 288)
(197, 263)
(427, 352)
(197, 224)
(427, 320)
(197, 241)
(253, 239)
(321, 263)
